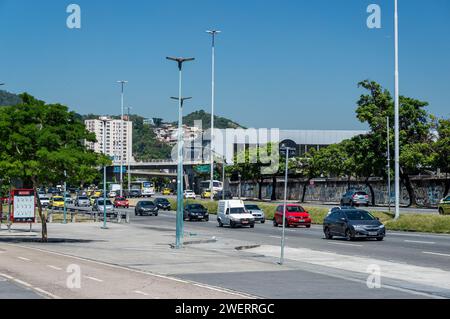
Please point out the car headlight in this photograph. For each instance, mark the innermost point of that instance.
(382, 227)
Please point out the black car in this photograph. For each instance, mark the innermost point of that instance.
(353, 224)
(134, 193)
(162, 203)
(146, 208)
(220, 195)
(196, 212)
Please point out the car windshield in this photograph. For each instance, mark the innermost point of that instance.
(361, 193)
(359, 215)
(196, 206)
(237, 210)
(120, 198)
(44, 198)
(82, 198)
(147, 204)
(447, 199)
(163, 200)
(58, 199)
(252, 207)
(295, 209)
(108, 202)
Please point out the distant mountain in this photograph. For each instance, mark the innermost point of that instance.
(8, 99)
(219, 122)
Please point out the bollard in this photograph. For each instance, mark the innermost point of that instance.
(74, 217)
(128, 217)
(119, 217)
(96, 217)
(50, 217)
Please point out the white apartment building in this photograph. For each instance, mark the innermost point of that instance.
(115, 136)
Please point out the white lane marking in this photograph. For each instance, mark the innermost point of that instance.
(24, 259)
(7, 277)
(345, 244)
(23, 283)
(436, 254)
(140, 293)
(276, 237)
(93, 279)
(420, 242)
(54, 267)
(42, 291)
(232, 292)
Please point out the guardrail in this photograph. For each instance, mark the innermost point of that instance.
(73, 213)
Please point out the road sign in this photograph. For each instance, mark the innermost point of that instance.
(117, 169)
(203, 169)
(24, 206)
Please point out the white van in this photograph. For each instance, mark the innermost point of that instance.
(233, 213)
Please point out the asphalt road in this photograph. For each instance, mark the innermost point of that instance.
(428, 250)
(313, 281)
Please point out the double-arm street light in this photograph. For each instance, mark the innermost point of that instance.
(104, 120)
(213, 36)
(180, 203)
(122, 83)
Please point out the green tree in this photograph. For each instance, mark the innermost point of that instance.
(40, 141)
(441, 149)
(415, 131)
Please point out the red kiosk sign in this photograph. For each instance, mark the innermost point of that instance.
(24, 206)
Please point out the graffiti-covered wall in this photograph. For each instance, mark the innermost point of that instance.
(428, 191)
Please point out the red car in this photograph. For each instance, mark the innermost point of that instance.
(121, 202)
(295, 216)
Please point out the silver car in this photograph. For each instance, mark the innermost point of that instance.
(100, 204)
(82, 201)
(257, 212)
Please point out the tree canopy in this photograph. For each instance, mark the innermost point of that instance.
(39, 142)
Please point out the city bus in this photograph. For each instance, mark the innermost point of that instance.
(217, 186)
(146, 188)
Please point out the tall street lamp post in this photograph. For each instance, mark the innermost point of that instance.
(397, 119)
(122, 83)
(389, 163)
(104, 120)
(213, 36)
(286, 150)
(180, 204)
(65, 197)
(130, 145)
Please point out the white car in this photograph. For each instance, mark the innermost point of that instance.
(45, 201)
(112, 194)
(188, 194)
(233, 213)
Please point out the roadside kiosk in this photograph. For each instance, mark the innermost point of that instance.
(24, 207)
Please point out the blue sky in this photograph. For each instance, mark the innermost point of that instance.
(288, 64)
